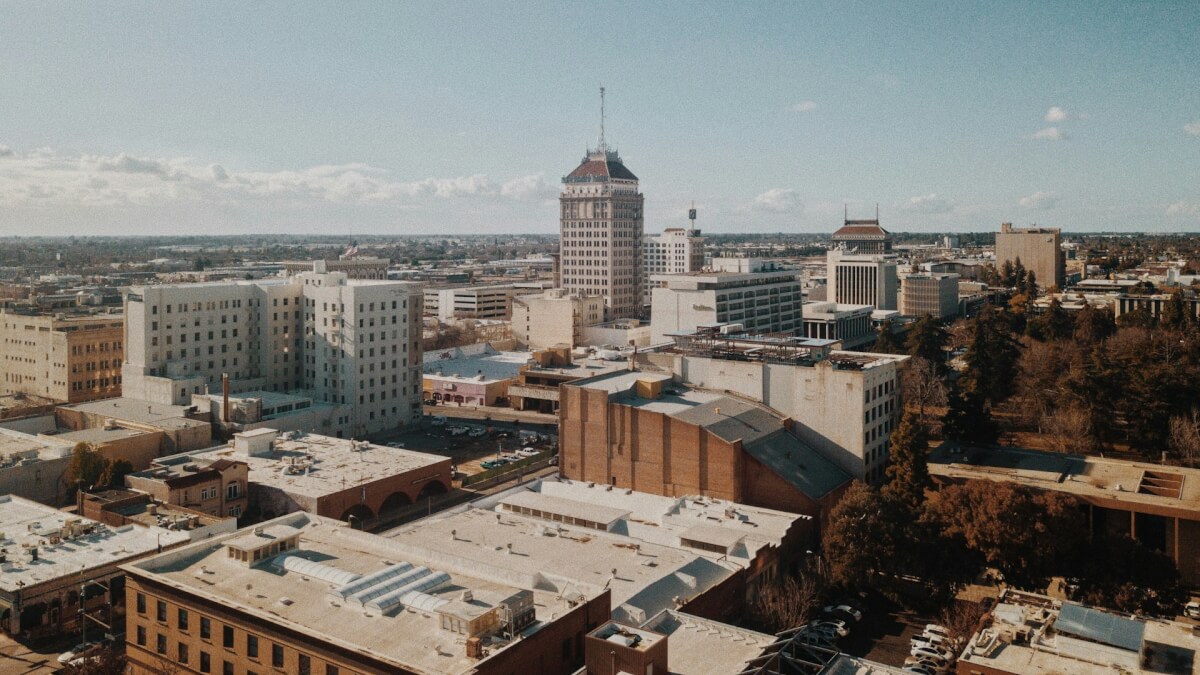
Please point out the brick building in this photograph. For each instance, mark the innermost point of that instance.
(643, 431)
(67, 357)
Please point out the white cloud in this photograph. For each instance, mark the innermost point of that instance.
(45, 176)
(1049, 134)
(1056, 114)
(805, 106)
(1184, 209)
(1192, 128)
(1040, 201)
(930, 203)
(778, 200)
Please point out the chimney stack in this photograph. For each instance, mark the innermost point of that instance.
(225, 396)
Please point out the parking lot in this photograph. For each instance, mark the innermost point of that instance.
(468, 450)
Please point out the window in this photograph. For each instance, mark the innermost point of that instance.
(231, 491)
(226, 668)
(205, 628)
(205, 663)
(161, 646)
(277, 656)
(252, 646)
(227, 637)
(141, 635)
(305, 665)
(183, 619)
(160, 611)
(331, 669)
(183, 652)
(141, 603)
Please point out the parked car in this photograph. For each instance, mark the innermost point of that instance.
(395, 444)
(527, 452)
(477, 432)
(457, 431)
(919, 669)
(839, 627)
(438, 421)
(935, 629)
(844, 609)
(932, 653)
(938, 666)
(1192, 610)
(554, 461)
(493, 463)
(923, 640)
(76, 651)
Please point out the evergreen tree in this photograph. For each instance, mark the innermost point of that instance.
(886, 341)
(927, 340)
(967, 420)
(1174, 313)
(991, 357)
(1030, 287)
(1138, 318)
(1093, 325)
(908, 465)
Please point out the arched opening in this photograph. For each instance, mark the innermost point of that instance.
(394, 502)
(358, 515)
(431, 489)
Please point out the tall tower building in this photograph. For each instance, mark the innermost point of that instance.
(600, 230)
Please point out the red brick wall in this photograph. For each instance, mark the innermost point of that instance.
(557, 648)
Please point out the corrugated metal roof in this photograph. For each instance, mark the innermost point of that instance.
(1101, 627)
(798, 464)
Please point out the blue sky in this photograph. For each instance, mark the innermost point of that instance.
(462, 117)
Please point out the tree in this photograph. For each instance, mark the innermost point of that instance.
(967, 420)
(787, 602)
(86, 467)
(1070, 430)
(923, 386)
(1093, 325)
(1175, 313)
(1138, 318)
(908, 468)
(115, 472)
(991, 357)
(1054, 323)
(1029, 535)
(961, 619)
(1185, 438)
(927, 340)
(860, 541)
(886, 341)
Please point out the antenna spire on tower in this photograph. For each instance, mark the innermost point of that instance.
(603, 145)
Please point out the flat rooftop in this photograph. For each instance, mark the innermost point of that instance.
(1092, 478)
(1065, 637)
(97, 436)
(490, 366)
(140, 511)
(296, 589)
(324, 465)
(16, 446)
(88, 546)
(551, 551)
(140, 412)
(698, 646)
(582, 368)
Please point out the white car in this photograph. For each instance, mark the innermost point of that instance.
(74, 652)
(935, 629)
(844, 609)
(919, 669)
(927, 640)
(477, 432)
(457, 431)
(527, 452)
(936, 666)
(931, 653)
(1192, 610)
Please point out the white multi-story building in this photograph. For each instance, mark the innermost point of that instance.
(748, 291)
(554, 318)
(849, 324)
(846, 403)
(601, 228)
(483, 301)
(675, 251)
(862, 280)
(345, 342)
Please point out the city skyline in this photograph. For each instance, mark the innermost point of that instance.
(419, 119)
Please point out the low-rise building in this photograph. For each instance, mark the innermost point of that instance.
(481, 301)
(178, 428)
(620, 333)
(847, 324)
(1126, 303)
(554, 318)
(327, 599)
(353, 267)
(115, 507)
(751, 292)
(536, 387)
(472, 375)
(66, 357)
(1155, 504)
(935, 295)
(643, 431)
(272, 474)
(1031, 634)
(52, 558)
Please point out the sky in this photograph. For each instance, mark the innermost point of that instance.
(462, 117)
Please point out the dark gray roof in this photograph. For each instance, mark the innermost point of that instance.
(797, 463)
(764, 437)
(733, 420)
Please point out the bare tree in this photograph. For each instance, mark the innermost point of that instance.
(1069, 430)
(923, 385)
(1185, 437)
(786, 602)
(961, 619)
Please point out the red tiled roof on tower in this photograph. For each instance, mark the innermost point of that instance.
(596, 167)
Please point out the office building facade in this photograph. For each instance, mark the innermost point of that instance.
(1038, 248)
(66, 357)
(862, 280)
(756, 294)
